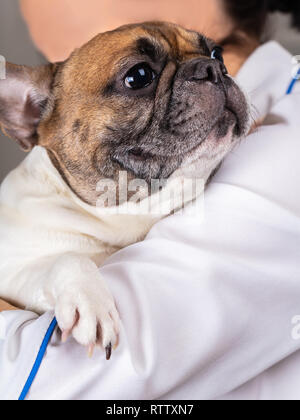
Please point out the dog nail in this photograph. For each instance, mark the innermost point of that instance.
(91, 350)
(65, 335)
(108, 351)
(117, 344)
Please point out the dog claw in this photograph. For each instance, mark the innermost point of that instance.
(108, 351)
(91, 349)
(65, 335)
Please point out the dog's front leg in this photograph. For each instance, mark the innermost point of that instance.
(72, 286)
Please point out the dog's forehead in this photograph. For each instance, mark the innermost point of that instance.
(170, 37)
(154, 37)
(166, 35)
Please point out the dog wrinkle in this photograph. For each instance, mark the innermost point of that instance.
(76, 126)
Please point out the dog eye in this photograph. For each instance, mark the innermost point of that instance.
(139, 77)
(217, 54)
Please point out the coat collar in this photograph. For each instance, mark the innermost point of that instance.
(266, 76)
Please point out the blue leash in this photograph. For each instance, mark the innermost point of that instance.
(53, 324)
(38, 361)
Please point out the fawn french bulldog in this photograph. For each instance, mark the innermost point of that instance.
(153, 100)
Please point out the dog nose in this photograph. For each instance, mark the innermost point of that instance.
(204, 69)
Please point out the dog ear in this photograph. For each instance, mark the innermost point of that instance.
(24, 93)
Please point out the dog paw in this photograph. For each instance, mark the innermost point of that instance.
(89, 314)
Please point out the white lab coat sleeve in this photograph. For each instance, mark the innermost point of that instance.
(210, 307)
(202, 313)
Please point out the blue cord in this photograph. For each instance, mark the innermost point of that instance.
(38, 360)
(293, 83)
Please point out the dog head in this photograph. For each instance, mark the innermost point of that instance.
(148, 99)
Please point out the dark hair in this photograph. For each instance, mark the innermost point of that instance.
(250, 16)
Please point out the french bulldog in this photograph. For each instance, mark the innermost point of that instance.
(151, 100)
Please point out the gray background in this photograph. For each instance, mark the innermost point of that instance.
(16, 46)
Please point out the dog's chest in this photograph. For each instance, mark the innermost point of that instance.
(39, 215)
